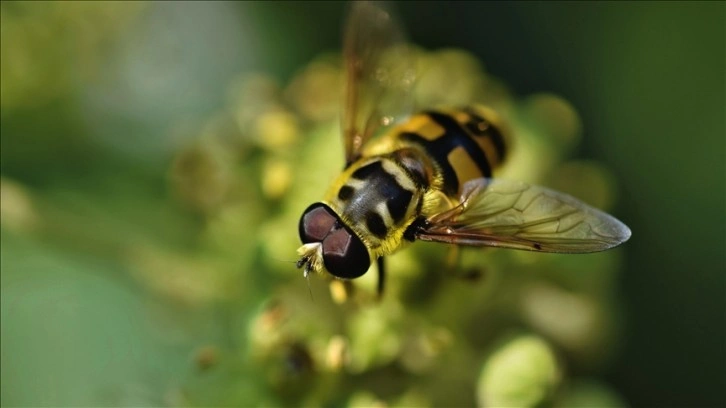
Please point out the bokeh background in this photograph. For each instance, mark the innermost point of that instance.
(155, 158)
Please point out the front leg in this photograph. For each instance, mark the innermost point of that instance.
(381, 276)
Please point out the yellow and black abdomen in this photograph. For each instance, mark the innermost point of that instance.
(465, 144)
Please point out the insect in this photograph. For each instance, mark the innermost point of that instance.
(429, 177)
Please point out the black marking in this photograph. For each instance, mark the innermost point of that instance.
(388, 187)
(381, 187)
(375, 224)
(475, 125)
(451, 183)
(418, 178)
(366, 171)
(439, 149)
(398, 204)
(345, 193)
(418, 225)
(460, 138)
(412, 163)
(537, 246)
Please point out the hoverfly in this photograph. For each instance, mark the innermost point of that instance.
(429, 177)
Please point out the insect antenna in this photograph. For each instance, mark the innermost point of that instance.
(284, 260)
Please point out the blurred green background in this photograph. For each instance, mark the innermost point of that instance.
(136, 255)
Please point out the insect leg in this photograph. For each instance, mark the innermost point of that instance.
(381, 276)
(453, 259)
(457, 270)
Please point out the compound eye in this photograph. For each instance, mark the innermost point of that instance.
(316, 223)
(344, 254)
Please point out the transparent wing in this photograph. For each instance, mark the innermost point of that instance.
(379, 74)
(511, 214)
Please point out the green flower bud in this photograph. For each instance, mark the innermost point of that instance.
(521, 373)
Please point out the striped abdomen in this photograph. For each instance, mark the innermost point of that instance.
(464, 144)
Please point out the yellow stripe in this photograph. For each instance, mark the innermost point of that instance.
(423, 126)
(490, 151)
(464, 167)
(397, 172)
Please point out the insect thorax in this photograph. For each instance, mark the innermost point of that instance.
(380, 196)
